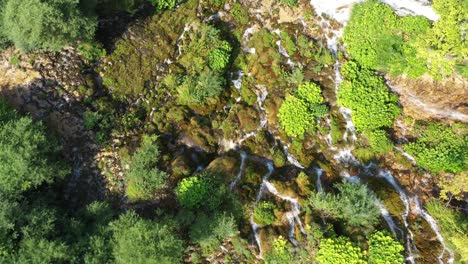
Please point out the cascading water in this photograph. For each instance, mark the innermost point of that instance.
(435, 228)
(318, 182)
(340, 11)
(410, 246)
(243, 156)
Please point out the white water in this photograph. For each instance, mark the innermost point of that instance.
(350, 128)
(237, 82)
(433, 224)
(318, 182)
(407, 155)
(410, 246)
(295, 211)
(243, 156)
(388, 219)
(340, 10)
(245, 39)
(433, 109)
(179, 48)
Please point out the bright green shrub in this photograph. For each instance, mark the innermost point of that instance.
(379, 142)
(163, 4)
(373, 105)
(339, 251)
(280, 252)
(310, 93)
(219, 58)
(143, 178)
(439, 148)
(292, 3)
(294, 116)
(297, 112)
(264, 213)
(384, 249)
(36, 24)
(201, 190)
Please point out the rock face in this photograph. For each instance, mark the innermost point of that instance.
(426, 98)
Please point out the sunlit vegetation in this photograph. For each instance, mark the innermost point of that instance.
(454, 226)
(35, 24)
(373, 105)
(383, 248)
(441, 148)
(379, 39)
(353, 203)
(339, 250)
(298, 112)
(264, 213)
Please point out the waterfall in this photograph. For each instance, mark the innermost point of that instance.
(435, 228)
(318, 182)
(245, 38)
(243, 156)
(410, 246)
(294, 204)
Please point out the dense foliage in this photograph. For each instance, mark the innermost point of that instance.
(353, 204)
(264, 213)
(439, 148)
(379, 39)
(297, 112)
(373, 105)
(384, 249)
(338, 251)
(35, 24)
(143, 178)
(143, 241)
(28, 157)
(454, 227)
(280, 252)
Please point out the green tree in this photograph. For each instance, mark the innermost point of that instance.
(36, 24)
(339, 251)
(357, 204)
(198, 89)
(280, 252)
(384, 249)
(144, 179)
(163, 4)
(143, 241)
(201, 191)
(28, 157)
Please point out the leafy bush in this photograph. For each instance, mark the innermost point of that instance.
(144, 179)
(36, 24)
(296, 114)
(338, 251)
(379, 39)
(439, 148)
(219, 58)
(195, 90)
(210, 231)
(379, 142)
(292, 3)
(264, 213)
(353, 204)
(91, 51)
(373, 105)
(280, 252)
(143, 241)
(163, 4)
(454, 227)
(201, 190)
(28, 158)
(384, 249)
